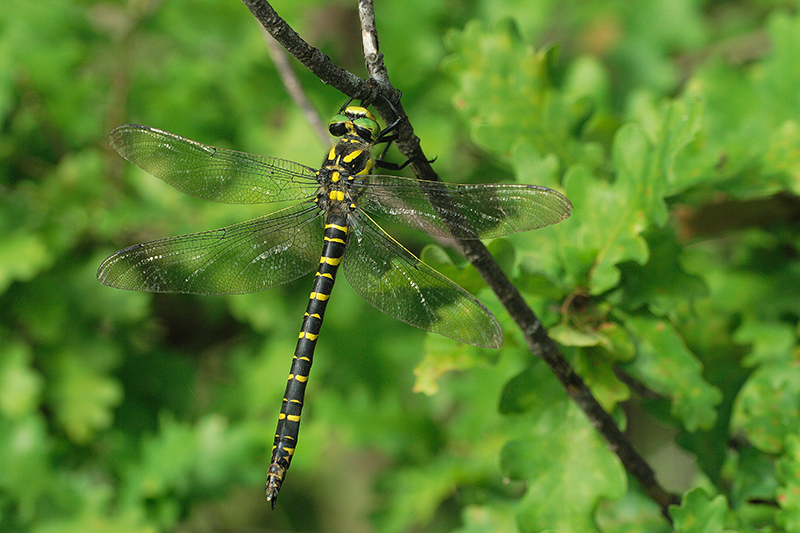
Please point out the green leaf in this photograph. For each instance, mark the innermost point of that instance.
(782, 73)
(666, 366)
(782, 155)
(599, 350)
(609, 218)
(767, 408)
(771, 342)
(569, 335)
(466, 433)
(421, 490)
(599, 372)
(788, 470)
(20, 384)
(93, 520)
(483, 519)
(82, 394)
(530, 391)
(699, 513)
(662, 285)
(167, 463)
(26, 472)
(633, 513)
(533, 168)
(568, 469)
(605, 226)
(22, 256)
(755, 477)
(443, 355)
(671, 126)
(506, 94)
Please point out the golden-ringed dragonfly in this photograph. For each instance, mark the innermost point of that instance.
(334, 209)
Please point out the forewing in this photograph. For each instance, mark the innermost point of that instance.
(246, 257)
(397, 283)
(212, 173)
(462, 211)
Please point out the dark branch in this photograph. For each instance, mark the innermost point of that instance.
(390, 109)
(536, 337)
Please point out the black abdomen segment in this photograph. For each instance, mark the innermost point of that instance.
(289, 420)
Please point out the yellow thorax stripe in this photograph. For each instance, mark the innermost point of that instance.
(352, 155)
(366, 170)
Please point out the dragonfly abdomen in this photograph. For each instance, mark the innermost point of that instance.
(335, 234)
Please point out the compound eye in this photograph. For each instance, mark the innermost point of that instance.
(338, 125)
(367, 128)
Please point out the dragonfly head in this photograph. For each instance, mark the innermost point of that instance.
(355, 120)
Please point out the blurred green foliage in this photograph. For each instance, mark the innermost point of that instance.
(674, 289)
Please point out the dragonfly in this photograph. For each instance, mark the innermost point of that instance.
(331, 223)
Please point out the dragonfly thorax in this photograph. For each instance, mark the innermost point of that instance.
(348, 161)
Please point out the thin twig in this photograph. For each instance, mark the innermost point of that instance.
(313, 59)
(369, 39)
(295, 89)
(539, 343)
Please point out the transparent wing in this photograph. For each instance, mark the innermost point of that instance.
(464, 211)
(210, 173)
(246, 257)
(397, 283)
